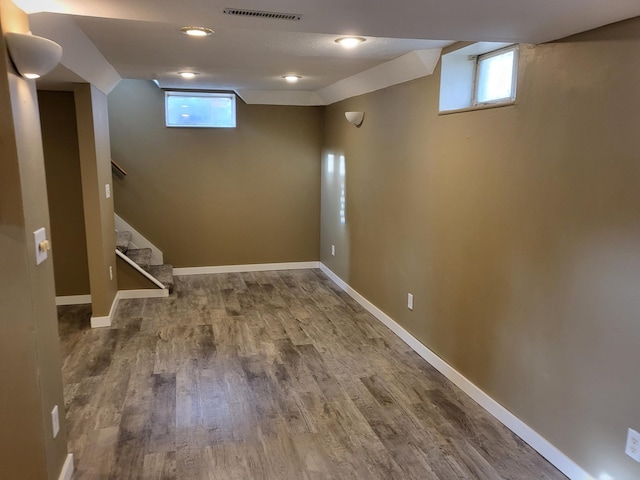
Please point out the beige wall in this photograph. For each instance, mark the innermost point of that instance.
(95, 166)
(130, 278)
(29, 347)
(64, 187)
(518, 231)
(218, 196)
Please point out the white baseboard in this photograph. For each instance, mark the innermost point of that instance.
(259, 267)
(513, 423)
(143, 293)
(67, 469)
(73, 300)
(102, 322)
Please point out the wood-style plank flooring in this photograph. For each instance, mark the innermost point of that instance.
(270, 375)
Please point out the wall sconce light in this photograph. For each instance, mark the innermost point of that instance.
(33, 56)
(355, 117)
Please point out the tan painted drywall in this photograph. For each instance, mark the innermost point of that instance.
(30, 367)
(131, 279)
(95, 165)
(64, 187)
(518, 231)
(218, 196)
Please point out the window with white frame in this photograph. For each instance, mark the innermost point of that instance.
(496, 75)
(479, 75)
(200, 109)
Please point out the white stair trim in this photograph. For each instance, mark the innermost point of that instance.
(73, 300)
(67, 469)
(508, 419)
(138, 240)
(139, 268)
(258, 267)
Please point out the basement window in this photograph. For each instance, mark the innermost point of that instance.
(480, 75)
(200, 109)
(496, 77)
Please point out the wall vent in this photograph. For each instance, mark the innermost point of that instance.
(261, 14)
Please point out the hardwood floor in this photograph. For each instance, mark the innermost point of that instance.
(270, 375)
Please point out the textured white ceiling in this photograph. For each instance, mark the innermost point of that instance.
(141, 40)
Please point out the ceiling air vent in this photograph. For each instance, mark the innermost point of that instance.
(261, 14)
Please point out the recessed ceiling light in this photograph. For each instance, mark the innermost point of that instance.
(188, 74)
(197, 31)
(292, 78)
(350, 42)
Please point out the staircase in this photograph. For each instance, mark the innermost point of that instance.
(142, 256)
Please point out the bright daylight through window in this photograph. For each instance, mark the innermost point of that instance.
(479, 75)
(496, 77)
(200, 109)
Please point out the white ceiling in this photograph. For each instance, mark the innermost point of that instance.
(140, 38)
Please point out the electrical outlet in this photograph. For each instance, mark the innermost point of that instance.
(333, 250)
(55, 421)
(633, 445)
(410, 301)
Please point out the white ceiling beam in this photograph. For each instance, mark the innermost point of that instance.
(416, 64)
(79, 54)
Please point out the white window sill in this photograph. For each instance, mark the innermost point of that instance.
(486, 106)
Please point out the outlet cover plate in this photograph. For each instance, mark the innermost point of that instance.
(633, 445)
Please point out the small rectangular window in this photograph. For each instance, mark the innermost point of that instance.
(200, 109)
(496, 74)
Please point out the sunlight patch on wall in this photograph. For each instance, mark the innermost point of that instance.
(343, 195)
(330, 163)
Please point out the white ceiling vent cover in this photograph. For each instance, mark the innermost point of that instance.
(261, 14)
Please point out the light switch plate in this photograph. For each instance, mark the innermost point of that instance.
(40, 236)
(107, 190)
